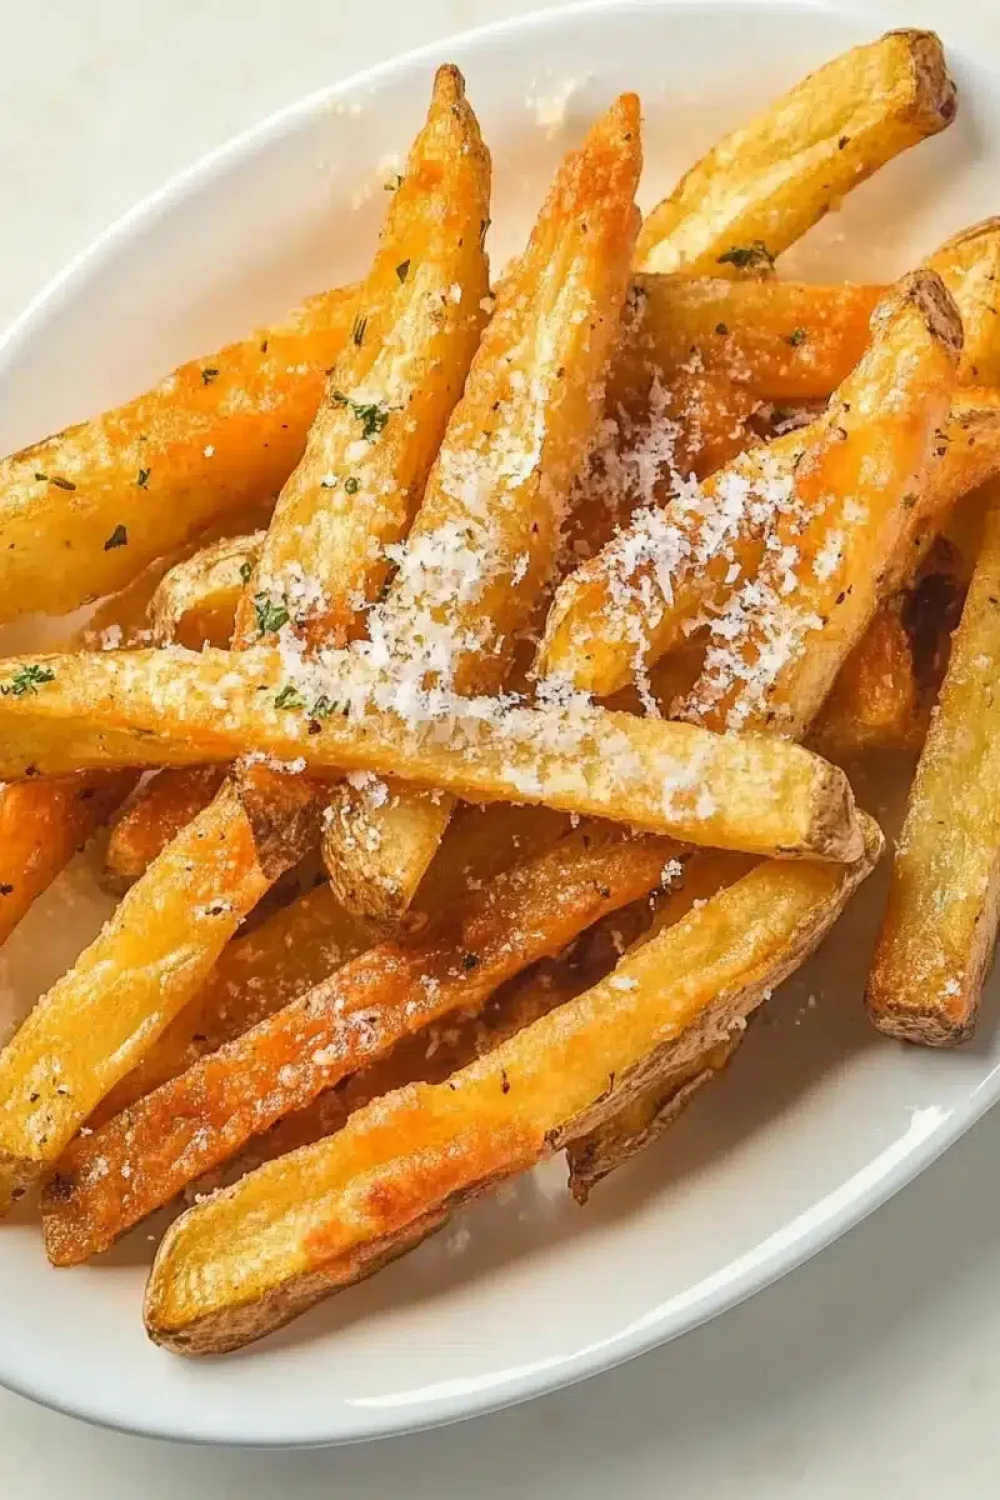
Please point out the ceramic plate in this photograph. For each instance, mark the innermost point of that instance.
(819, 1120)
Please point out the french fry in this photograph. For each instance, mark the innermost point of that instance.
(769, 181)
(621, 611)
(220, 432)
(782, 637)
(154, 816)
(940, 925)
(391, 392)
(257, 1254)
(484, 541)
(784, 342)
(195, 603)
(204, 1116)
(95, 1023)
(42, 825)
(174, 707)
(969, 266)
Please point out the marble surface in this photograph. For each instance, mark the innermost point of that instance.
(875, 1369)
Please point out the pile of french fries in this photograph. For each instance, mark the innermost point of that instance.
(579, 593)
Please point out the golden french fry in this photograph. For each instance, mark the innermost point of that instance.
(969, 266)
(779, 642)
(621, 611)
(769, 181)
(154, 816)
(782, 341)
(95, 1023)
(255, 1255)
(176, 707)
(218, 433)
(195, 602)
(940, 925)
(142, 1158)
(484, 541)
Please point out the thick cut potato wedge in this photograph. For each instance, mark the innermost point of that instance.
(769, 181)
(969, 266)
(175, 707)
(391, 392)
(257, 1254)
(95, 1023)
(195, 604)
(155, 815)
(783, 341)
(42, 825)
(621, 611)
(142, 1158)
(940, 925)
(484, 541)
(785, 632)
(217, 433)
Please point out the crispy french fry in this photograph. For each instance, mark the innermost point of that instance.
(969, 266)
(190, 1125)
(782, 341)
(484, 541)
(769, 181)
(257, 1254)
(195, 603)
(95, 1023)
(391, 392)
(783, 636)
(940, 925)
(42, 825)
(621, 611)
(155, 815)
(176, 707)
(219, 432)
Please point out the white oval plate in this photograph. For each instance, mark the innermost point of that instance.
(820, 1120)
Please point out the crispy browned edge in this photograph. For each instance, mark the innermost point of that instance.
(937, 96)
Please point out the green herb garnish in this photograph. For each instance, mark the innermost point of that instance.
(796, 337)
(118, 538)
(358, 331)
(289, 697)
(143, 480)
(373, 415)
(351, 485)
(62, 484)
(393, 182)
(208, 375)
(745, 256)
(246, 571)
(270, 616)
(26, 680)
(722, 329)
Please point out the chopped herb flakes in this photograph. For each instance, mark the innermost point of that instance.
(373, 415)
(289, 697)
(5, 889)
(351, 485)
(721, 329)
(246, 571)
(484, 225)
(796, 337)
(26, 680)
(393, 182)
(61, 484)
(270, 616)
(143, 479)
(403, 270)
(208, 375)
(746, 256)
(118, 538)
(358, 331)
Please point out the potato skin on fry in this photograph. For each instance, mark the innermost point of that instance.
(770, 180)
(195, 602)
(255, 1255)
(940, 924)
(221, 432)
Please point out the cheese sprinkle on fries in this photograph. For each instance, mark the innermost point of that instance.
(464, 665)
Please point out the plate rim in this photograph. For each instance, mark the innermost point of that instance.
(558, 1372)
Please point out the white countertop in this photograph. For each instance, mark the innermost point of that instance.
(873, 1370)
